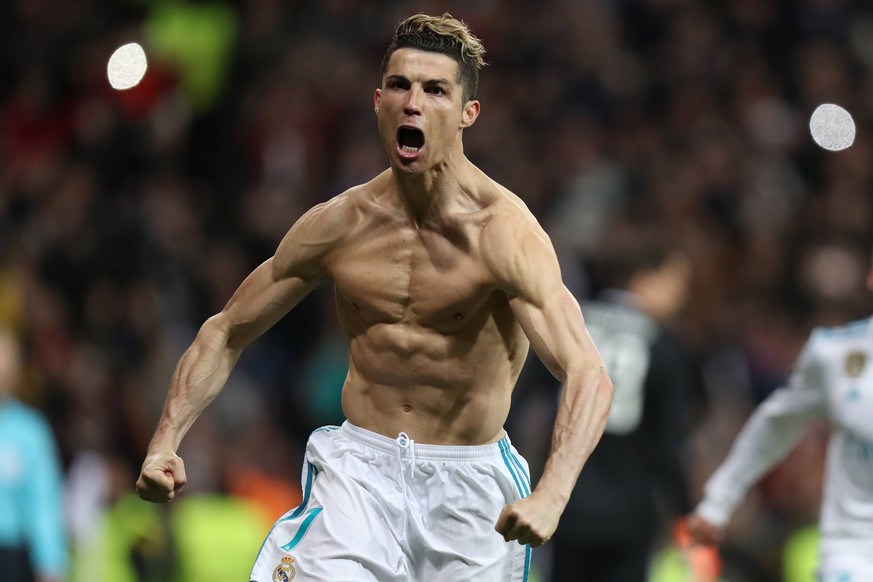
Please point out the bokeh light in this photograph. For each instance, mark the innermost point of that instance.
(127, 66)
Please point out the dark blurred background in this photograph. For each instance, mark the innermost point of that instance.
(128, 217)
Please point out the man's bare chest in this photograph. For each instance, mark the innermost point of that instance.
(429, 279)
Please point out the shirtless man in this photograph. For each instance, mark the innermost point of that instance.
(443, 280)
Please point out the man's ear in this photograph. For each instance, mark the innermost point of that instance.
(377, 97)
(470, 113)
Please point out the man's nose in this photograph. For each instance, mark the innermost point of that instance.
(412, 106)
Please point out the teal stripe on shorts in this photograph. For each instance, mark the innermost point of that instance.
(515, 468)
(304, 527)
(523, 485)
(311, 473)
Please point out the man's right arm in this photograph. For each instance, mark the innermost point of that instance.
(528, 271)
(265, 296)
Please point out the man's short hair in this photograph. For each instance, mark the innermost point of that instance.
(442, 34)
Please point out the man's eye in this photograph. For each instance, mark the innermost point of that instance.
(437, 90)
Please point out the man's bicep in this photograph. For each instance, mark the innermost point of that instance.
(262, 299)
(528, 272)
(557, 331)
(279, 283)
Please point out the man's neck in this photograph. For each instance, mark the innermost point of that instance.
(426, 194)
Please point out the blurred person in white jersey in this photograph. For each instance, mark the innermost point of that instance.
(832, 380)
(443, 281)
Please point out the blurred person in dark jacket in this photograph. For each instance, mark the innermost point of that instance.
(615, 512)
(33, 544)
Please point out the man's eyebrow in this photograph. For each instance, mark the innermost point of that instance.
(398, 77)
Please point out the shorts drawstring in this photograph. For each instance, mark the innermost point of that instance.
(404, 442)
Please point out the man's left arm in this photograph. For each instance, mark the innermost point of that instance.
(551, 318)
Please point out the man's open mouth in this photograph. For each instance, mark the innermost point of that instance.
(410, 139)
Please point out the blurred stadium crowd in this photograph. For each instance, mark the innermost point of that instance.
(127, 218)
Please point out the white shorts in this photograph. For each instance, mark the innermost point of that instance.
(381, 509)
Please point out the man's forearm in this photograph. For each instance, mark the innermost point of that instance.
(580, 422)
(200, 375)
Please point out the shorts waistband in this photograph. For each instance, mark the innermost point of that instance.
(426, 451)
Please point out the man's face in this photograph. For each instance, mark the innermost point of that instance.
(420, 109)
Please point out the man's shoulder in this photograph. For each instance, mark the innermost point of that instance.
(501, 198)
(834, 343)
(341, 209)
(366, 190)
(327, 224)
(513, 244)
(508, 215)
(859, 330)
(358, 198)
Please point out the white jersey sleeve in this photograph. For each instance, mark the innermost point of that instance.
(769, 434)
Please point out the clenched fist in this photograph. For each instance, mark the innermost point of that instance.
(161, 477)
(530, 521)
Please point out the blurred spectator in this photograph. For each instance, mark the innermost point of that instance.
(195, 39)
(205, 536)
(33, 545)
(214, 532)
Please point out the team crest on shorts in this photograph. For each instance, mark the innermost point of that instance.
(855, 363)
(285, 571)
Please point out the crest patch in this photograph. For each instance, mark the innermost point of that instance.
(855, 363)
(285, 571)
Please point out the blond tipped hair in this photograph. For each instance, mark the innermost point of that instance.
(442, 34)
